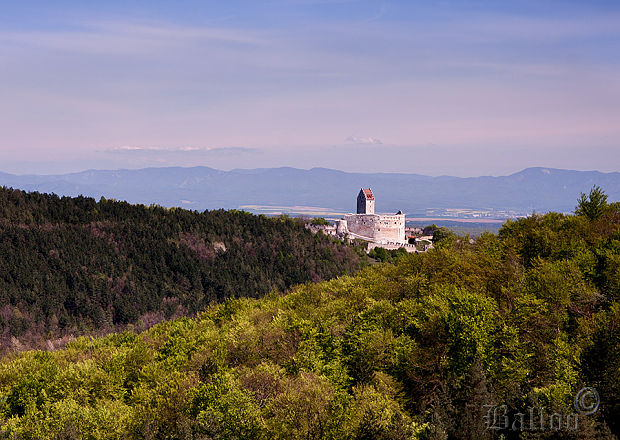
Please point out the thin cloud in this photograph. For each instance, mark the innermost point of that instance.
(107, 37)
(363, 140)
(378, 15)
(171, 31)
(129, 149)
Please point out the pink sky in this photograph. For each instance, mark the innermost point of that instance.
(437, 92)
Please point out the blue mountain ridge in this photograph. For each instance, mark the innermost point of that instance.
(532, 189)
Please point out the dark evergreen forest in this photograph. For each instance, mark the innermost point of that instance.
(71, 266)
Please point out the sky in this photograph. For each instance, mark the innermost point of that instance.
(460, 88)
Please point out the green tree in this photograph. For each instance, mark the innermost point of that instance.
(593, 205)
(320, 221)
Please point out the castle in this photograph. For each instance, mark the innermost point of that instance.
(377, 228)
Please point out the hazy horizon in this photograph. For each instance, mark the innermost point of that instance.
(461, 88)
(84, 170)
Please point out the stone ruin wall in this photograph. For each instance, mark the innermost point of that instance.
(385, 228)
(390, 228)
(362, 224)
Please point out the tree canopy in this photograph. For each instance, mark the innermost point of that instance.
(71, 266)
(410, 350)
(592, 205)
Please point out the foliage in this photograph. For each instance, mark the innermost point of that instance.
(593, 205)
(441, 236)
(73, 265)
(387, 255)
(320, 221)
(410, 350)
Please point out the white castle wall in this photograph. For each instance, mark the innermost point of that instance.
(381, 228)
(391, 228)
(362, 224)
(411, 248)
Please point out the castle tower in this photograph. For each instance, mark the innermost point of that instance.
(365, 202)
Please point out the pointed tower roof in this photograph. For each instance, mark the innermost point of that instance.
(368, 193)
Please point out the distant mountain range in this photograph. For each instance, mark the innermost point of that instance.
(533, 189)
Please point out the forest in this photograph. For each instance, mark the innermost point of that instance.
(72, 266)
(416, 348)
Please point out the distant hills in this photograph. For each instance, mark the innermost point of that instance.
(533, 189)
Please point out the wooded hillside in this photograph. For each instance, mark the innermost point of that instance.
(413, 350)
(75, 265)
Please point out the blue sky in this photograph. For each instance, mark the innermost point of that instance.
(434, 87)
